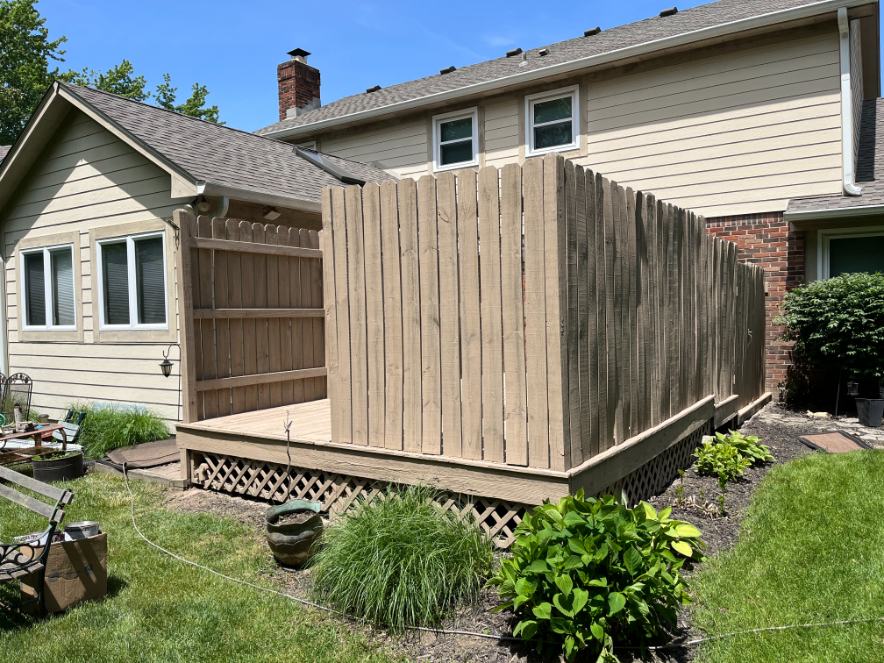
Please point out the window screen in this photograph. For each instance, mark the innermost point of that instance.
(62, 287)
(35, 289)
(150, 280)
(115, 271)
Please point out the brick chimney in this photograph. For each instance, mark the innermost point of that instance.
(298, 85)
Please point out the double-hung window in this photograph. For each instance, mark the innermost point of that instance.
(850, 250)
(552, 121)
(132, 282)
(456, 140)
(48, 299)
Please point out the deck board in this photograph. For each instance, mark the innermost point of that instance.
(311, 422)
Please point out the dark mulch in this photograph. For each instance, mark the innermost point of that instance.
(719, 533)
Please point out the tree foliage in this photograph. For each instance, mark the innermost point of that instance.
(26, 56)
(26, 53)
(839, 322)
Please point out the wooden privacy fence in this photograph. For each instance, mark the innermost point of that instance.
(533, 316)
(250, 309)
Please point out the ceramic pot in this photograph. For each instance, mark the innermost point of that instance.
(293, 544)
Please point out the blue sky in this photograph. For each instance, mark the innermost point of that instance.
(234, 47)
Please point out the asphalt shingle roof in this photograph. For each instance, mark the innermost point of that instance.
(870, 164)
(613, 39)
(222, 155)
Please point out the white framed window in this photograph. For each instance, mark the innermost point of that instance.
(49, 302)
(552, 121)
(850, 250)
(132, 282)
(456, 140)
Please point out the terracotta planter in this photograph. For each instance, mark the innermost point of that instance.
(870, 411)
(293, 544)
(59, 469)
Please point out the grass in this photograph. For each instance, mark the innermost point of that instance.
(111, 427)
(158, 609)
(401, 561)
(811, 550)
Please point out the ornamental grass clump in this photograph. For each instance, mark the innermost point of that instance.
(113, 426)
(402, 561)
(590, 574)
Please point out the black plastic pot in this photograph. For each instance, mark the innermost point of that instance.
(59, 469)
(870, 411)
(293, 544)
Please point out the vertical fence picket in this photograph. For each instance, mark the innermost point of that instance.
(287, 396)
(411, 316)
(296, 298)
(374, 313)
(326, 239)
(222, 327)
(431, 342)
(392, 307)
(574, 451)
(344, 410)
(580, 347)
(591, 302)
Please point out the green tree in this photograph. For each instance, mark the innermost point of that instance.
(25, 56)
(195, 106)
(120, 80)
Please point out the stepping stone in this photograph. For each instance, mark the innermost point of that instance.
(834, 443)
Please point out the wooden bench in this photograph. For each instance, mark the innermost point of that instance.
(18, 560)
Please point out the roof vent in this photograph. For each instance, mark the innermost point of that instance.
(590, 33)
(447, 70)
(513, 52)
(543, 51)
(672, 11)
(373, 89)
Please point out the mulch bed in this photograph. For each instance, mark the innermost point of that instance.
(719, 533)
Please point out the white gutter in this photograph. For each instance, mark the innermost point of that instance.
(848, 168)
(834, 213)
(762, 21)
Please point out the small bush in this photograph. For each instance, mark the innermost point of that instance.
(589, 573)
(401, 561)
(839, 322)
(111, 427)
(729, 455)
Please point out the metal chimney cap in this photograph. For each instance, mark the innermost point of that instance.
(299, 52)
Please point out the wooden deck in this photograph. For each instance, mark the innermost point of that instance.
(311, 423)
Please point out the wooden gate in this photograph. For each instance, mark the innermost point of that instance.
(251, 315)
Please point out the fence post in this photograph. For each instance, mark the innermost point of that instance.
(186, 227)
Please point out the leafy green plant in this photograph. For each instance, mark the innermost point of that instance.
(840, 322)
(402, 561)
(586, 573)
(729, 455)
(679, 489)
(722, 496)
(111, 427)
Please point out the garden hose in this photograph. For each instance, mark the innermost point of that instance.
(488, 636)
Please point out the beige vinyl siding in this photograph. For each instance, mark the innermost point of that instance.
(401, 150)
(86, 179)
(501, 129)
(856, 83)
(733, 134)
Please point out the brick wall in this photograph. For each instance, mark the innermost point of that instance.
(765, 239)
(298, 85)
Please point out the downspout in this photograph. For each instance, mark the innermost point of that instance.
(848, 166)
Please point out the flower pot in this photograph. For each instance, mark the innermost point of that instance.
(870, 411)
(293, 543)
(59, 469)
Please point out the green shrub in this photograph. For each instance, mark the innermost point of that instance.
(839, 322)
(589, 573)
(111, 427)
(401, 561)
(729, 455)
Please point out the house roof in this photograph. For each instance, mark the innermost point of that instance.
(224, 156)
(660, 32)
(201, 156)
(869, 170)
(3, 150)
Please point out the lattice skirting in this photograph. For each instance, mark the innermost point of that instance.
(337, 492)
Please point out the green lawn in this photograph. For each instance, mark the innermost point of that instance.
(161, 610)
(811, 550)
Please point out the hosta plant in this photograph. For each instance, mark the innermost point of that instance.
(727, 456)
(589, 573)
